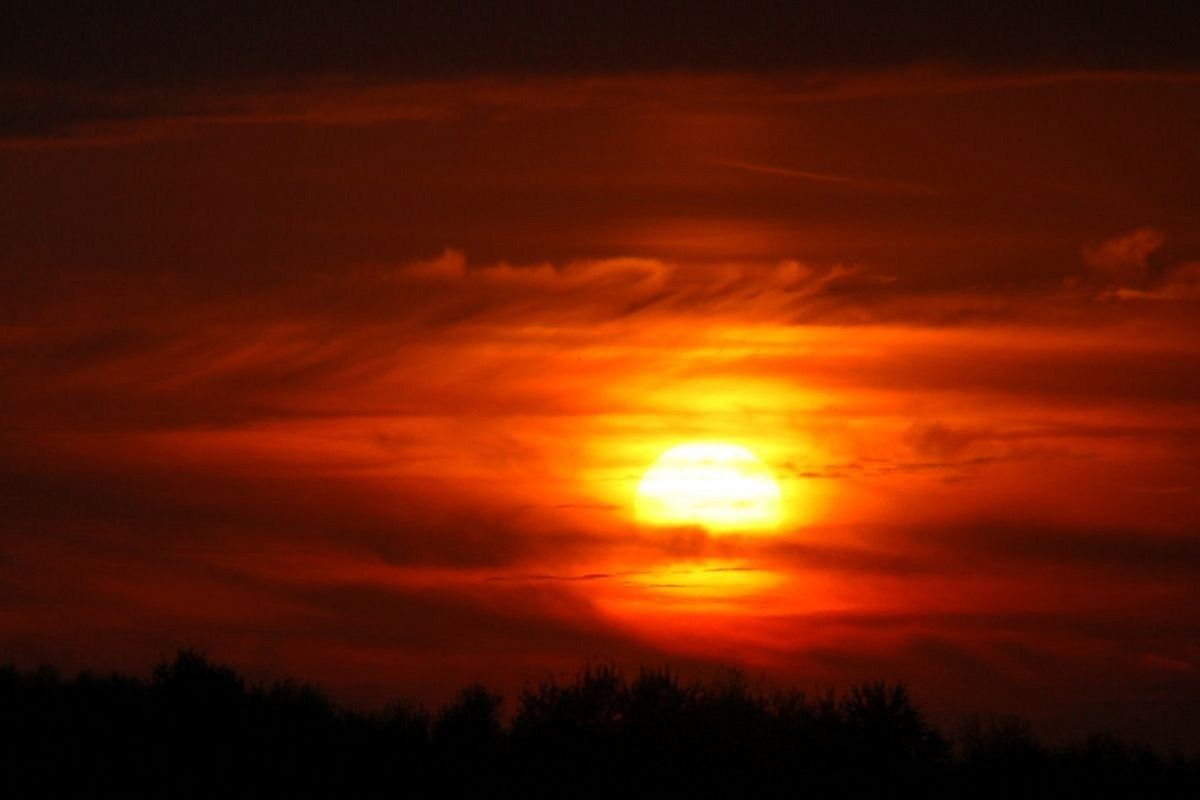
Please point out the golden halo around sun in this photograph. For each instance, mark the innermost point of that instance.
(718, 486)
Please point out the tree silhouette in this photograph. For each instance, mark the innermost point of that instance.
(195, 729)
(468, 740)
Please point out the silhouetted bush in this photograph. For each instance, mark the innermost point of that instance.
(194, 729)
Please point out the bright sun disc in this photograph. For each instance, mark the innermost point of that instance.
(718, 486)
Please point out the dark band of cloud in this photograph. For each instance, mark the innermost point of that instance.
(182, 44)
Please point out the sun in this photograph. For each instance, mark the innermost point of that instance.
(720, 487)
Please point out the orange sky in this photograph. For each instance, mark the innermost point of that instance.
(355, 384)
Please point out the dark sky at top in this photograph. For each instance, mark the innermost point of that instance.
(183, 44)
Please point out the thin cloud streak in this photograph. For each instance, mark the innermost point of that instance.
(862, 184)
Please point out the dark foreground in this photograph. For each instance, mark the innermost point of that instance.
(195, 729)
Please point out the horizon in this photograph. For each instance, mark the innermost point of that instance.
(192, 671)
(195, 728)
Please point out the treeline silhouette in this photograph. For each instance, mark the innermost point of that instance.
(195, 729)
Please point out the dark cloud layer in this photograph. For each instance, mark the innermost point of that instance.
(180, 44)
(149, 58)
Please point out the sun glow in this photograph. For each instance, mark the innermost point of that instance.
(720, 487)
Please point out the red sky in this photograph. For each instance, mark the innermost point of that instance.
(354, 382)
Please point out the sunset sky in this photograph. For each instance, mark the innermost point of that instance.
(337, 348)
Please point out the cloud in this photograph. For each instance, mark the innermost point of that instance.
(1180, 283)
(1131, 554)
(219, 42)
(70, 113)
(341, 343)
(821, 558)
(844, 181)
(610, 290)
(941, 440)
(1126, 270)
(173, 509)
(1125, 260)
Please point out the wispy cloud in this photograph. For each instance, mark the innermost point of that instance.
(844, 181)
